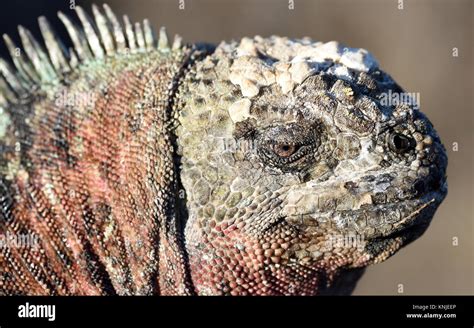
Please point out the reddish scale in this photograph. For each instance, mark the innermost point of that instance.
(103, 233)
(252, 269)
(230, 260)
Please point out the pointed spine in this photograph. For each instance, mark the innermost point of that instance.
(177, 42)
(150, 38)
(139, 36)
(24, 68)
(37, 55)
(130, 34)
(10, 77)
(117, 30)
(55, 48)
(90, 33)
(163, 40)
(104, 31)
(78, 40)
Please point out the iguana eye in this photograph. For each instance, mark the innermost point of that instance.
(290, 147)
(284, 150)
(399, 143)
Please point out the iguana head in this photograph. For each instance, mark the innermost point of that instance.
(300, 159)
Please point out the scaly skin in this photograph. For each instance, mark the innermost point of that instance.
(190, 170)
(283, 160)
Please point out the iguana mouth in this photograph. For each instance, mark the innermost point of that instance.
(372, 221)
(411, 223)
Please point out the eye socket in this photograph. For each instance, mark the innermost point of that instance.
(288, 147)
(399, 143)
(284, 150)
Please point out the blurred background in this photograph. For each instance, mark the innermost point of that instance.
(413, 40)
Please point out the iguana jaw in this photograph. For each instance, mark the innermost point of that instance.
(320, 244)
(370, 220)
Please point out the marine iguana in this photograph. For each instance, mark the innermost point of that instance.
(264, 166)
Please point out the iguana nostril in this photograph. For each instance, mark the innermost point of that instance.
(399, 143)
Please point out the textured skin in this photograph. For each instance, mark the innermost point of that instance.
(260, 224)
(99, 182)
(206, 171)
